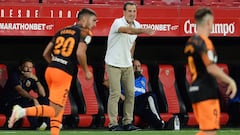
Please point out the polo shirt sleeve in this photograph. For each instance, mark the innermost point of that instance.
(116, 25)
(137, 24)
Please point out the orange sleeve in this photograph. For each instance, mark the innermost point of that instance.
(209, 47)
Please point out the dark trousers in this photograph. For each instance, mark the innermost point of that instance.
(142, 108)
(234, 111)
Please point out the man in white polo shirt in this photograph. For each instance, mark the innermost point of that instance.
(120, 50)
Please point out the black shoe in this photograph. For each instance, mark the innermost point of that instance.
(162, 124)
(130, 127)
(115, 128)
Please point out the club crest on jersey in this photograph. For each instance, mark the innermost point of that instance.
(88, 39)
(28, 83)
(212, 56)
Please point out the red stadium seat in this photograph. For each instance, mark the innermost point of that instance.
(154, 2)
(3, 79)
(236, 4)
(67, 1)
(25, 123)
(55, 1)
(162, 2)
(93, 108)
(3, 120)
(3, 75)
(169, 91)
(88, 92)
(67, 108)
(99, 2)
(172, 2)
(230, 1)
(78, 1)
(114, 2)
(70, 115)
(145, 74)
(210, 1)
(20, 1)
(223, 88)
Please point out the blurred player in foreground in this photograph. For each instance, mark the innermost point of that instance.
(202, 59)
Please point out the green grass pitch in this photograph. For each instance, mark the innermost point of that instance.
(105, 132)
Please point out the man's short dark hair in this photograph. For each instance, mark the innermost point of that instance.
(86, 11)
(23, 61)
(201, 13)
(128, 3)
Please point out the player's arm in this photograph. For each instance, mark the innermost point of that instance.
(81, 55)
(134, 31)
(215, 71)
(47, 52)
(41, 90)
(23, 92)
(209, 60)
(82, 59)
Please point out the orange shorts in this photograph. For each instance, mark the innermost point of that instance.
(59, 83)
(207, 113)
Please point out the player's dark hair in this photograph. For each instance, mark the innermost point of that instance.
(128, 3)
(86, 11)
(201, 13)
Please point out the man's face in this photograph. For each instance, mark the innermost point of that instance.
(137, 66)
(210, 23)
(130, 13)
(27, 67)
(91, 22)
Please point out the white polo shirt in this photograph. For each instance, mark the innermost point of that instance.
(119, 44)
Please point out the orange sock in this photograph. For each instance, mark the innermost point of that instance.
(55, 123)
(40, 111)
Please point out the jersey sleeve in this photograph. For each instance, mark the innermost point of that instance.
(85, 36)
(208, 53)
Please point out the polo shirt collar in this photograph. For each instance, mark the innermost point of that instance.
(125, 21)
